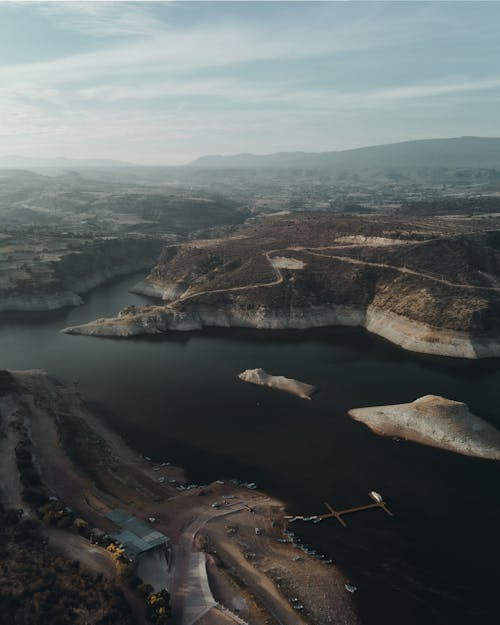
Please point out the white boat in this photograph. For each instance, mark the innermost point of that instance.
(376, 496)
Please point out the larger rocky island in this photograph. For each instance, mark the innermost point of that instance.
(429, 285)
(437, 422)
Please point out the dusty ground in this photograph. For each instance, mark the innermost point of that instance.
(10, 490)
(252, 574)
(231, 592)
(74, 547)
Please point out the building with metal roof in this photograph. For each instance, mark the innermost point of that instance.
(136, 537)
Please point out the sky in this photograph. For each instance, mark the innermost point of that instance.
(166, 82)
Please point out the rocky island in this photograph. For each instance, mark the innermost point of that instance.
(437, 422)
(279, 382)
(427, 285)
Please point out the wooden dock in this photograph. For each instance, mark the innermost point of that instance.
(378, 502)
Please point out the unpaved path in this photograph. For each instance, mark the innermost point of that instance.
(346, 259)
(277, 280)
(190, 590)
(183, 516)
(74, 547)
(428, 276)
(192, 597)
(262, 587)
(192, 582)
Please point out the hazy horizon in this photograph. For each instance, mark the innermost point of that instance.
(27, 157)
(163, 83)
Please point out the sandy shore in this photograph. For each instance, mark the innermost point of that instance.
(219, 518)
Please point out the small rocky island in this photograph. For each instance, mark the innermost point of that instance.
(437, 422)
(279, 382)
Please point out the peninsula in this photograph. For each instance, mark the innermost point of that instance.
(427, 285)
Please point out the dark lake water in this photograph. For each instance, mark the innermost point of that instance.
(178, 398)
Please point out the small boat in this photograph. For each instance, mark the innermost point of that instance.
(376, 496)
(351, 587)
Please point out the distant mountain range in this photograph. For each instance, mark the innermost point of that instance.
(467, 152)
(460, 152)
(25, 162)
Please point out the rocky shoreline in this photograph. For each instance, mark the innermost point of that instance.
(42, 302)
(92, 470)
(406, 333)
(39, 303)
(165, 292)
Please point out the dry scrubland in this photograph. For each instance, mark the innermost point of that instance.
(430, 285)
(444, 250)
(43, 272)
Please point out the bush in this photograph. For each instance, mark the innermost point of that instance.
(135, 581)
(145, 589)
(29, 477)
(34, 496)
(65, 522)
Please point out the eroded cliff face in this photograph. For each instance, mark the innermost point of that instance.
(401, 331)
(79, 272)
(306, 272)
(39, 302)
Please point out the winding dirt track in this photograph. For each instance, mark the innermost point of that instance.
(428, 276)
(277, 280)
(346, 259)
(192, 597)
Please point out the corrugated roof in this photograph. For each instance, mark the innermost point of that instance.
(136, 536)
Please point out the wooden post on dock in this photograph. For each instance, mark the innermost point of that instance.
(333, 513)
(338, 514)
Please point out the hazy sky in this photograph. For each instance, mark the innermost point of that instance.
(164, 82)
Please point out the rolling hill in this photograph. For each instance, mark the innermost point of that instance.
(467, 152)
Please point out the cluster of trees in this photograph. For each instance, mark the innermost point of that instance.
(34, 492)
(38, 587)
(7, 383)
(451, 205)
(55, 513)
(158, 607)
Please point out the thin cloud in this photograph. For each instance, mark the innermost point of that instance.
(144, 82)
(103, 19)
(267, 93)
